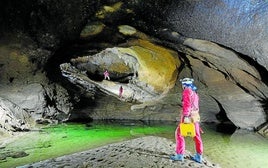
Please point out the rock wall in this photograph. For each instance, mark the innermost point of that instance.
(240, 25)
(230, 81)
(24, 85)
(222, 44)
(30, 33)
(229, 62)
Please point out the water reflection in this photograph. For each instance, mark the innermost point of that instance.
(243, 148)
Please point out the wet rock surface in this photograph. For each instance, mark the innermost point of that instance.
(148, 151)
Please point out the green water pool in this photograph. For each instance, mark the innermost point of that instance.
(241, 149)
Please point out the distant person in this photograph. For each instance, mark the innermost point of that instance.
(120, 92)
(190, 113)
(106, 75)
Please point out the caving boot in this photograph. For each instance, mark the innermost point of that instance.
(177, 157)
(197, 157)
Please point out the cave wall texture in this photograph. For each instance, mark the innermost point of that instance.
(222, 44)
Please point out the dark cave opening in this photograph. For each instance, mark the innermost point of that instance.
(97, 76)
(253, 62)
(262, 70)
(79, 97)
(115, 77)
(11, 79)
(123, 78)
(225, 126)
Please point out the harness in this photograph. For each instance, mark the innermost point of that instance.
(194, 110)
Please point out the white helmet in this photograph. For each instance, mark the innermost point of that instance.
(186, 81)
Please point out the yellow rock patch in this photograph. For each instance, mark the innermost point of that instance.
(92, 29)
(108, 9)
(157, 65)
(119, 67)
(127, 30)
(15, 64)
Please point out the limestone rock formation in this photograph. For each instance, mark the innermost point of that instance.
(145, 71)
(236, 86)
(13, 118)
(240, 25)
(25, 87)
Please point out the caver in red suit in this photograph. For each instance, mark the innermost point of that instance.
(190, 113)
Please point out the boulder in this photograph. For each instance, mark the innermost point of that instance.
(49, 102)
(13, 118)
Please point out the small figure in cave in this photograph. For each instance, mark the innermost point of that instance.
(189, 114)
(106, 75)
(120, 92)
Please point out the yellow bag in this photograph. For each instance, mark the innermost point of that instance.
(187, 129)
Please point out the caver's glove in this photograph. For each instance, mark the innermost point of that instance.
(187, 120)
